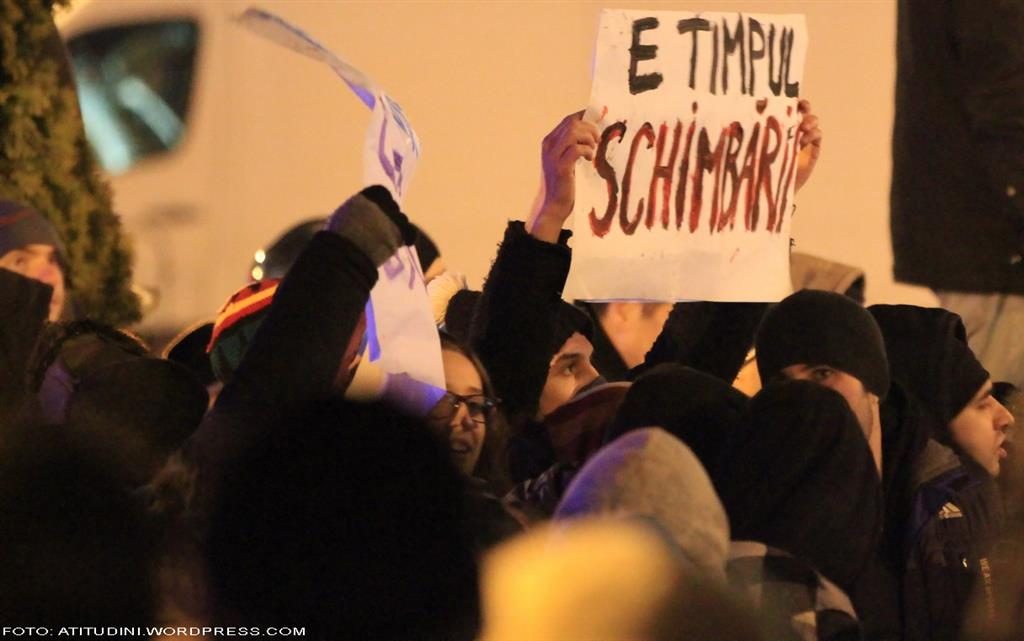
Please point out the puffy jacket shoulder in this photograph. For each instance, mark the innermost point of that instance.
(956, 514)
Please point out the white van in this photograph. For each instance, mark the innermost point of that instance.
(215, 141)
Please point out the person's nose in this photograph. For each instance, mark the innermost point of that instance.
(46, 272)
(461, 419)
(1004, 419)
(587, 375)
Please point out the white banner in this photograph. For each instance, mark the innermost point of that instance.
(402, 337)
(690, 194)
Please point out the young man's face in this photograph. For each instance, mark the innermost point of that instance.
(863, 403)
(40, 263)
(570, 371)
(980, 429)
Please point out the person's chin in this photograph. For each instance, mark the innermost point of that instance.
(997, 460)
(462, 460)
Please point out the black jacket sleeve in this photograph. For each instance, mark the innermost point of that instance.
(294, 357)
(707, 336)
(514, 325)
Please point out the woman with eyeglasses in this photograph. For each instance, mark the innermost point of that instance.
(468, 419)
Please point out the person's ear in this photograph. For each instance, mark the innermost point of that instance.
(621, 313)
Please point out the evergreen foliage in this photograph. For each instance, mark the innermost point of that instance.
(46, 162)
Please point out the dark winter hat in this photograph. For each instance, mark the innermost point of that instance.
(68, 352)
(823, 328)
(929, 355)
(236, 325)
(21, 225)
(572, 319)
(699, 409)
(459, 316)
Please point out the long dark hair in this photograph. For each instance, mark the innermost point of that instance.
(491, 466)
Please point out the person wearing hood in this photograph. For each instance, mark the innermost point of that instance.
(24, 309)
(928, 353)
(102, 385)
(940, 517)
(798, 475)
(30, 246)
(699, 409)
(649, 474)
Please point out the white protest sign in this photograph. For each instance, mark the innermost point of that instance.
(402, 337)
(690, 194)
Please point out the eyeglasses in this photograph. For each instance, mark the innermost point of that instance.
(480, 407)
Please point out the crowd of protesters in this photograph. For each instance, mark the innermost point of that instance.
(593, 471)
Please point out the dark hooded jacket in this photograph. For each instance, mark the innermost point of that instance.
(800, 476)
(649, 474)
(24, 307)
(941, 516)
(699, 409)
(928, 355)
(518, 324)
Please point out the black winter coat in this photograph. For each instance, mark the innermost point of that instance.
(942, 515)
(958, 145)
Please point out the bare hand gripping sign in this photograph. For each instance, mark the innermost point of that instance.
(690, 192)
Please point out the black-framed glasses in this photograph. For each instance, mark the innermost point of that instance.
(480, 407)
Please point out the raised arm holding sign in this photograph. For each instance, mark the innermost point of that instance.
(572, 139)
(404, 352)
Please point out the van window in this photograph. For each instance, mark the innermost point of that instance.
(134, 87)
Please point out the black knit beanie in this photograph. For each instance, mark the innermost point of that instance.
(459, 316)
(929, 355)
(814, 327)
